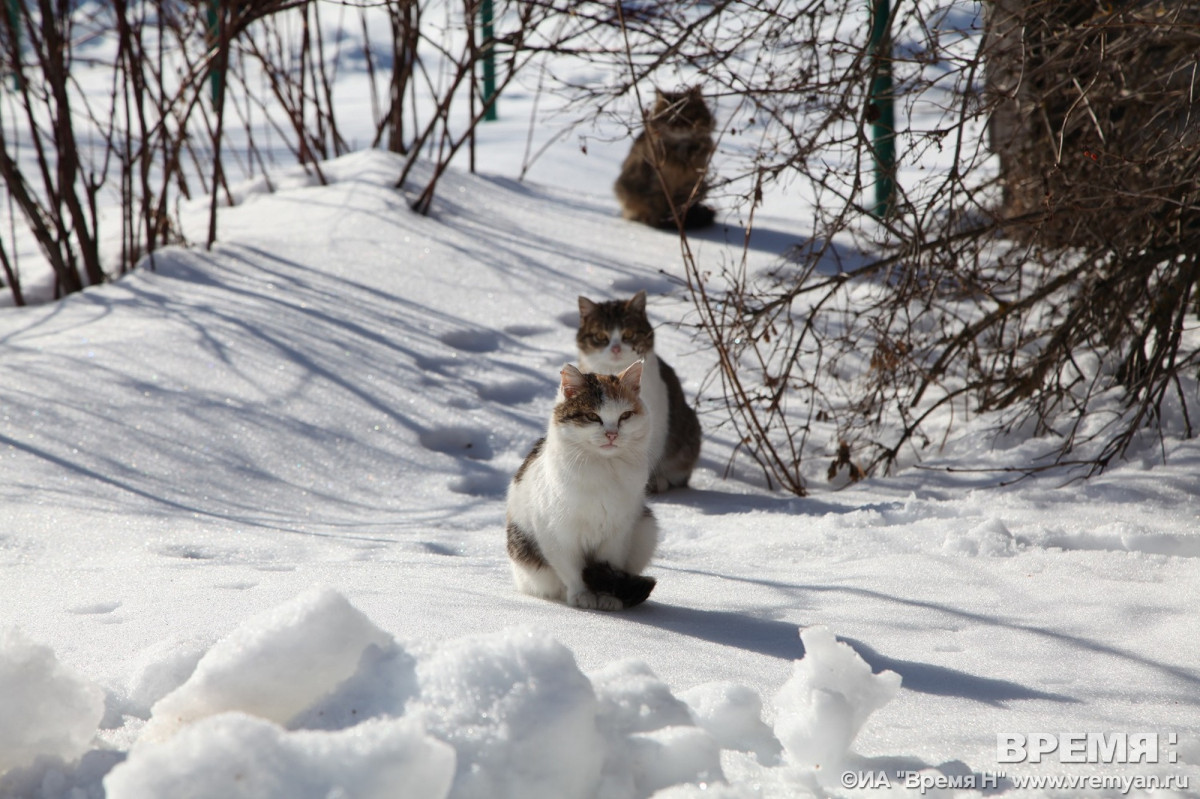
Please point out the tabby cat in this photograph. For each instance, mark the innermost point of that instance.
(611, 336)
(578, 527)
(667, 165)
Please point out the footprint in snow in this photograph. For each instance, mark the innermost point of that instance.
(471, 340)
(657, 284)
(187, 551)
(492, 484)
(459, 442)
(95, 608)
(527, 331)
(514, 392)
(434, 548)
(236, 585)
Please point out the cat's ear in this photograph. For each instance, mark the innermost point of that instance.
(572, 380)
(631, 378)
(586, 307)
(638, 303)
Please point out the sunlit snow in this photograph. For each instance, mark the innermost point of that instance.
(252, 536)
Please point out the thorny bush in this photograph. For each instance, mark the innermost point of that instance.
(1040, 258)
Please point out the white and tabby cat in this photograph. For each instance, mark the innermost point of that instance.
(611, 336)
(578, 527)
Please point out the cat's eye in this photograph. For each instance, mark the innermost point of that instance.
(626, 415)
(593, 417)
(599, 339)
(627, 336)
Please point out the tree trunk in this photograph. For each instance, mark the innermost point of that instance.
(1096, 116)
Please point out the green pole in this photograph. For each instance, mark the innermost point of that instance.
(489, 59)
(882, 114)
(14, 19)
(216, 78)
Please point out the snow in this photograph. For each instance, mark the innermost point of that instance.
(252, 515)
(519, 713)
(49, 708)
(273, 666)
(828, 698)
(732, 714)
(253, 504)
(243, 757)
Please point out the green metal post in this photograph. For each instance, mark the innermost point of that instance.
(14, 19)
(216, 78)
(882, 114)
(489, 59)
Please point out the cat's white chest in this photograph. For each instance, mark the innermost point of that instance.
(582, 506)
(654, 396)
(602, 499)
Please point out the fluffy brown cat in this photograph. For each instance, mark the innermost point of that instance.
(665, 171)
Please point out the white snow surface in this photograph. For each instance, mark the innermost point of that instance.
(49, 709)
(827, 700)
(252, 542)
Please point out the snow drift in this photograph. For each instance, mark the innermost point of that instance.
(48, 709)
(311, 699)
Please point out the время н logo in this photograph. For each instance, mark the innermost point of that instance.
(1084, 747)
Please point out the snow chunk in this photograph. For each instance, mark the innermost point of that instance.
(519, 713)
(275, 665)
(652, 743)
(633, 699)
(990, 538)
(713, 791)
(825, 702)
(386, 679)
(235, 756)
(159, 670)
(46, 708)
(732, 715)
(672, 756)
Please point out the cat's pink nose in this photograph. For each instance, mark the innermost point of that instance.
(612, 435)
(616, 349)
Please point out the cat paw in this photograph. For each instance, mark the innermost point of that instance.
(657, 484)
(589, 600)
(628, 589)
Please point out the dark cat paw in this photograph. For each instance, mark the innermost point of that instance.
(589, 600)
(629, 589)
(657, 484)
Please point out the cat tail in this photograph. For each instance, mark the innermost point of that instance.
(629, 589)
